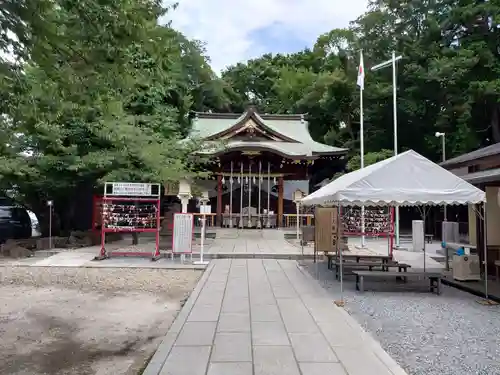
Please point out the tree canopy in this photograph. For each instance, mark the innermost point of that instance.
(96, 90)
(448, 79)
(93, 90)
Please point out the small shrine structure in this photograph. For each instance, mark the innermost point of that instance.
(259, 163)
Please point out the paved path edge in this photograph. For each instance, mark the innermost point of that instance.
(160, 356)
(373, 343)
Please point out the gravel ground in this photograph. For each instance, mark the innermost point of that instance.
(65, 321)
(426, 334)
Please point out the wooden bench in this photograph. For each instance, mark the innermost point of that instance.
(497, 270)
(434, 278)
(357, 258)
(402, 267)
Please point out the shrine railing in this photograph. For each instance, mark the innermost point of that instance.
(211, 219)
(290, 220)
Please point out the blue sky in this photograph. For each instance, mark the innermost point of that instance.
(236, 30)
(273, 38)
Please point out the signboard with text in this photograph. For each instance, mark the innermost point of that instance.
(182, 241)
(131, 189)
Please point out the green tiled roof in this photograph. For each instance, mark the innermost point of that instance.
(293, 127)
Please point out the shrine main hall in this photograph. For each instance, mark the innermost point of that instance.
(262, 163)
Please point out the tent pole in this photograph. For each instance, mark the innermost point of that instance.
(485, 253)
(339, 251)
(423, 213)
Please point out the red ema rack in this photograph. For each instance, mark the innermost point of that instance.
(379, 222)
(129, 214)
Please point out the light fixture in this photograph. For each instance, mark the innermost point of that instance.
(439, 134)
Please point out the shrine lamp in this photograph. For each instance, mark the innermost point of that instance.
(297, 196)
(184, 188)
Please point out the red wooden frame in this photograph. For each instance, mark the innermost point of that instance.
(96, 201)
(103, 254)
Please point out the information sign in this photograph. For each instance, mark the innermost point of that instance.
(131, 189)
(182, 242)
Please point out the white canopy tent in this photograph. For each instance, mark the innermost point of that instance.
(407, 179)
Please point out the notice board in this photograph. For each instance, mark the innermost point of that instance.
(182, 241)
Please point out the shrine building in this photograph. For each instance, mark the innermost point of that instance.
(260, 164)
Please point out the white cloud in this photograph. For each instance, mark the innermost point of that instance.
(227, 25)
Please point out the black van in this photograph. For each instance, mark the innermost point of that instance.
(15, 223)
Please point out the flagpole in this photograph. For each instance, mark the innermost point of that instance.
(361, 73)
(395, 117)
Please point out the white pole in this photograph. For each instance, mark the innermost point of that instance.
(268, 223)
(259, 225)
(50, 227)
(339, 251)
(425, 256)
(249, 195)
(362, 150)
(395, 116)
(444, 159)
(50, 204)
(485, 253)
(231, 197)
(298, 219)
(241, 197)
(202, 242)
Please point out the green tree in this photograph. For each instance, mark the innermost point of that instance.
(369, 159)
(104, 94)
(447, 80)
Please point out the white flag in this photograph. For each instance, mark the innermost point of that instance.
(361, 72)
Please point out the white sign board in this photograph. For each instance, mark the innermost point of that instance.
(131, 189)
(205, 209)
(183, 233)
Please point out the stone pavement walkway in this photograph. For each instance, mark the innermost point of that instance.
(253, 241)
(265, 317)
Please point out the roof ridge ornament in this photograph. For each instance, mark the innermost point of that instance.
(252, 109)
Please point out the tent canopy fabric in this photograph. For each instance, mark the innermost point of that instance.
(407, 179)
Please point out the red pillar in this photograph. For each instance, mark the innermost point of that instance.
(219, 200)
(280, 202)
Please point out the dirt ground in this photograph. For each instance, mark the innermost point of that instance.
(62, 321)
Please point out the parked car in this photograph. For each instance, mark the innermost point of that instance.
(15, 223)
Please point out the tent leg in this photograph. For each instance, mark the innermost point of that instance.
(339, 249)
(340, 303)
(423, 224)
(485, 253)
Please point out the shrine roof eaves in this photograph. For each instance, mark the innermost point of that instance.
(286, 149)
(292, 129)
